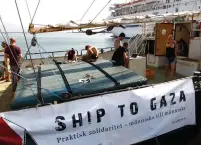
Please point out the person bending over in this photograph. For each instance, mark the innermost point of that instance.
(92, 53)
(70, 56)
(119, 57)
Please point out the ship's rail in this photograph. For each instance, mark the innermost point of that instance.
(53, 54)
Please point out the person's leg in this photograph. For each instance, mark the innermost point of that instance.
(172, 72)
(166, 67)
(126, 63)
(14, 70)
(4, 72)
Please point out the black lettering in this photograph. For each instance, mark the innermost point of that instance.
(89, 117)
(163, 102)
(121, 110)
(172, 100)
(100, 113)
(153, 105)
(182, 96)
(58, 139)
(77, 121)
(134, 111)
(61, 126)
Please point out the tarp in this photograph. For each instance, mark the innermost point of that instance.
(83, 79)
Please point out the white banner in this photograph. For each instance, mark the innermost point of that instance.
(122, 118)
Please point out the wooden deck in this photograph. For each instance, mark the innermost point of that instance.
(6, 96)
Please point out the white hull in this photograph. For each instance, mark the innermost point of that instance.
(149, 7)
(129, 31)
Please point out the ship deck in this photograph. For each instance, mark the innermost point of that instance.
(6, 94)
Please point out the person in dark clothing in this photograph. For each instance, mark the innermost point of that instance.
(15, 55)
(170, 56)
(183, 48)
(70, 55)
(119, 57)
(117, 42)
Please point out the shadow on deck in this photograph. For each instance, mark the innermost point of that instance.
(6, 96)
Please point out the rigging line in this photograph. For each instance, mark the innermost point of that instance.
(3, 35)
(35, 11)
(20, 77)
(25, 39)
(30, 83)
(40, 98)
(100, 11)
(52, 69)
(4, 28)
(87, 10)
(28, 9)
(69, 90)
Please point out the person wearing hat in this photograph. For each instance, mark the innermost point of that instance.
(15, 55)
(6, 73)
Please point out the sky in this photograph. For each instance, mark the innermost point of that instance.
(50, 11)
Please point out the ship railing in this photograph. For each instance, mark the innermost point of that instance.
(54, 54)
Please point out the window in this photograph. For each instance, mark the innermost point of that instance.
(176, 10)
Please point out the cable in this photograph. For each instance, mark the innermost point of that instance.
(100, 11)
(35, 11)
(4, 28)
(25, 39)
(52, 69)
(28, 9)
(87, 10)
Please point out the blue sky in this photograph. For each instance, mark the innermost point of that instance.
(50, 11)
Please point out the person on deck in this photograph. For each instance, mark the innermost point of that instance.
(119, 57)
(6, 74)
(15, 55)
(92, 53)
(183, 48)
(70, 55)
(170, 57)
(117, 42)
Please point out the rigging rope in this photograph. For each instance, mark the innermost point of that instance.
(35, 11)
(26, 40)
(87, 10)
(51, 68)
(4, 28)
(28, 9)
(100, 11)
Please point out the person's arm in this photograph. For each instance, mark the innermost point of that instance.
(65, 57)
(19, 55)
(89, 51)
(116, 44)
